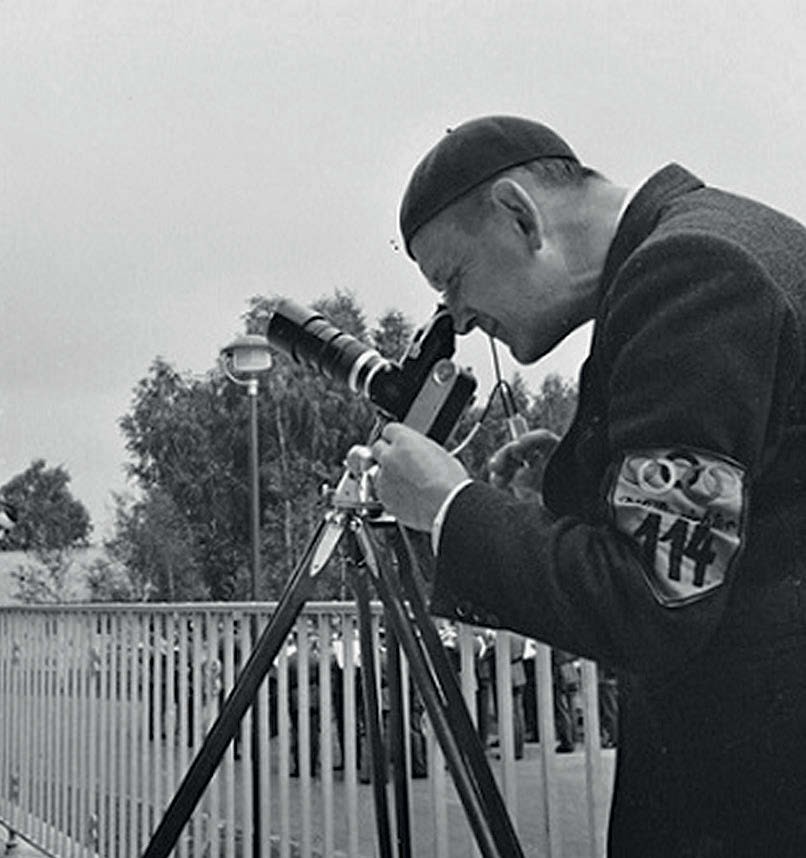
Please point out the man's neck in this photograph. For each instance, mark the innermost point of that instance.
(588, 241)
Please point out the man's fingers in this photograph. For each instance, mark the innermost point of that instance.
(503, 464)
(378, 449)
(531, 450)
(538, 443)
(392, 431)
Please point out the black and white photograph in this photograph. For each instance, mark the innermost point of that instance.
(402, 429)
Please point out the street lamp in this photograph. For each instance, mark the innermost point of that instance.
(242, 362)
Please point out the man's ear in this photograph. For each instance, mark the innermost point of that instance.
(510, 196)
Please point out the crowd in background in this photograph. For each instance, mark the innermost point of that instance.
(566, 682)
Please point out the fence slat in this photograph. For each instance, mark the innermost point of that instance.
(264, 755)
(284, 727)
(593, 758)
(549, 802)
(244, 638)
(326, 733)
(228, 769)
(212, 798)
(352, 720)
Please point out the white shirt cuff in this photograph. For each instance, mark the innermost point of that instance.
(439, 518)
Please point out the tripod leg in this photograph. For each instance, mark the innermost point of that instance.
(436, 682)
(397, 743)
(240, 698)
(372, 716)
(412, 584)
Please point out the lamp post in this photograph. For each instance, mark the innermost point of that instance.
(242, 361)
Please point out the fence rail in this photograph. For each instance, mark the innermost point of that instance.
(102, 709)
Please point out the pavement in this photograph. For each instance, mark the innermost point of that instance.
(572, 811)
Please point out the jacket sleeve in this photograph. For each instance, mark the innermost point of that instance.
(694, 341)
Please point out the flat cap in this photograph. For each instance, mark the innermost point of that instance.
(468, 155)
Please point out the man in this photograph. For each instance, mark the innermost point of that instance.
(671, 540)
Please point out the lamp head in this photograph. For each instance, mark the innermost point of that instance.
(246, 356)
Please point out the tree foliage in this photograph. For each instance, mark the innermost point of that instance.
(52, 526)
(392, 334)
(49, 517)
(182, 435)
(152, 556)
(46, 577)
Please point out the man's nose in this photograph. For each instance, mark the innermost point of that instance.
(463, 320)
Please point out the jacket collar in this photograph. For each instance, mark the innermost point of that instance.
(643, 212)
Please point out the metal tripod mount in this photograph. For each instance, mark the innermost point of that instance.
(382, 558)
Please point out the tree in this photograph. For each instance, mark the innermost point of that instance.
(393, 334)
(44, 578)
(51, 526)
(183, 435)
(554, 405)
(151, 556)
(49, 517)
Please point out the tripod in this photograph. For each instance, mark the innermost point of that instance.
(381, 555)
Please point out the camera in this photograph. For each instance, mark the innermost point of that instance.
(425, 390)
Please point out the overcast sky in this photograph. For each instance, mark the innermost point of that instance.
(160, 162)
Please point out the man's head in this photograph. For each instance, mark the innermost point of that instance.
(511, 229)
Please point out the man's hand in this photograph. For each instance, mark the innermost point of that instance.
(519, 465)
(414, 475)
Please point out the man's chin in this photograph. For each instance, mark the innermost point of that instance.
(525, 356)
(518, 354)
(514, 351)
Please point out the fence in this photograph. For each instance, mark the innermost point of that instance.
(103, 708)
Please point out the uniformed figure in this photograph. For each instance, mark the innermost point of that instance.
(671, 540)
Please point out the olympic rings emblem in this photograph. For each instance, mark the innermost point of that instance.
(700, 480)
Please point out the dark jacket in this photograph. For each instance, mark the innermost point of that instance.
(695, 595)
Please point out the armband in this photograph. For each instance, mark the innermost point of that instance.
(685, 510)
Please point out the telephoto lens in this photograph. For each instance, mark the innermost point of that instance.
(425, 391)
(310, 340)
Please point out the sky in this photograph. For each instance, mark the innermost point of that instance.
(161, 162)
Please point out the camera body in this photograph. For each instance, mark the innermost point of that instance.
(425, 389)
